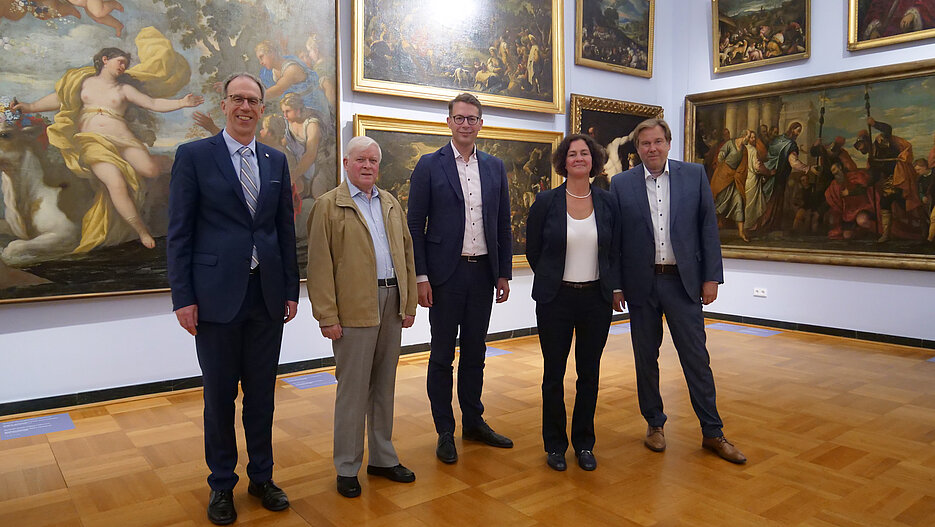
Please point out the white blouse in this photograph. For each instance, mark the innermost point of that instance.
(581, 250)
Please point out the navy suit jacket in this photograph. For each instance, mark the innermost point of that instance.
(436, 215)
(692, 229)
(547, 235)
(211, 233)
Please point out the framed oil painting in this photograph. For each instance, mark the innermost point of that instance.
(526, 153)
(615, 36)
(610, 122)
(835, 169)
(872, 23)
(753, 33)
(85, 164)
(509, 53)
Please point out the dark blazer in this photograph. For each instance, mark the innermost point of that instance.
(436, 215)
(211, 233)
(692, 228)
(546, 235)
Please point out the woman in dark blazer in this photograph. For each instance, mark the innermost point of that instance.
(572, 246)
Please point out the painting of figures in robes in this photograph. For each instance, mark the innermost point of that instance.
(615, 36)
(752, 33)
(872, 23)
(509, 53)
(526, 154)
(831, 169)
(96, 96)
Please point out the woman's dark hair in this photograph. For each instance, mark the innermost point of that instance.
(109, 53)
(598, 155)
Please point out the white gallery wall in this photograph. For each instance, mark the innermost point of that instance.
(72, 346)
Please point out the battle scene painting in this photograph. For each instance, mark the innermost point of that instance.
(872, 23)
(832, 169)
(503, 51)
(525, 154)
(615, 35)
(752, 33)
(96, 96)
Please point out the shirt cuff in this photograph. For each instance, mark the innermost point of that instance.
(422, 278)
(618, 290)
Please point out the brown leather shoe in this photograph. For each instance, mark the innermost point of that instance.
(724, 448)
(655, 439)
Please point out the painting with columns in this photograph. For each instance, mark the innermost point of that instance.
(831, 169)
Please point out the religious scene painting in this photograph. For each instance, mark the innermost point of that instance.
(94, 100)
(610, 122)
(526, 155)
(509, 53)
(833, 169)
(615, 35)
(752, 33)
(872, 23)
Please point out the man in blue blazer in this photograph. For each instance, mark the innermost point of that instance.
(671, 265)
(235, 281)
(459, 218)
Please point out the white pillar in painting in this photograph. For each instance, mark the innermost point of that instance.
(753, 114)
(730, 118)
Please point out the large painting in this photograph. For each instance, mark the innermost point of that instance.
(94, 99)
(526, 154)
(610, 122)
(507, 52)
(872, 23)
(752, 33)
(832, 169)
(615, 36)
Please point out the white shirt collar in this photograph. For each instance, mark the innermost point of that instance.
(647, 174)
(458, 154)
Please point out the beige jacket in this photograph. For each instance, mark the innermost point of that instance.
(342, 269)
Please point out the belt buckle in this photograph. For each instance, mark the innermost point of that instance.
(471, 259)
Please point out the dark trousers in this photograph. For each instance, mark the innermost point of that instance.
(587, 314)
(686, 324)
(464, 301)
(245, 350)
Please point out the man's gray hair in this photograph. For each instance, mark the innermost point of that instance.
(361, 142)
(248, 75)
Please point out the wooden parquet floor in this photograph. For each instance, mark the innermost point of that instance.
(838, 433)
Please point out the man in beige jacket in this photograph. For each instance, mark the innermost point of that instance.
(362, 285)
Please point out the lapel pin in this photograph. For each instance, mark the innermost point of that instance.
(267, 155)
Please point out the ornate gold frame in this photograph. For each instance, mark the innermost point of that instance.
(591, 63)
(365, 123)
(716, 38)
(817, 83)
(600, 104)
(418, 91)
(853, 44)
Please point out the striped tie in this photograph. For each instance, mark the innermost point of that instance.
(250, 192)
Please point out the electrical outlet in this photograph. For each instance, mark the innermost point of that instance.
(759, 292)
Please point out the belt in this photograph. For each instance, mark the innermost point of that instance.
(666, 269)
(581, 285)
(387, 282)
(474, 259)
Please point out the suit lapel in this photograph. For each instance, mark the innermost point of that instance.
(642, 198)
(675, 193)
(222, 158)
(486, 186)
(601, 217)
(266, 169)
(451, 169)
(560, 205)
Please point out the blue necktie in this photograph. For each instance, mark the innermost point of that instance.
(250, 192)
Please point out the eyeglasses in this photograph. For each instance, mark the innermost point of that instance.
(471, 119)
(239, 99)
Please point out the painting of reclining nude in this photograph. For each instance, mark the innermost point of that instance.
(752, 33)
(872, 23)
(526, 154)
(832, 169)
(509, 53)
(93, 107)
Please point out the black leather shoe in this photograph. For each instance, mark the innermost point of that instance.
(586, 460)
(446, 451)
(348, 486)
(221, 507)
(556, 461)
(399, 473)
(273, 497)
(485, 434)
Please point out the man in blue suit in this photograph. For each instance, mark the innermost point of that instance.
(235, 282)
(671, 265)
(459, 217)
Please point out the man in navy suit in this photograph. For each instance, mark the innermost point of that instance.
(459, 217)
(671, 265)
(235, 281)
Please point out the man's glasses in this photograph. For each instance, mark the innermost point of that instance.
(471, 119)
(239, 99)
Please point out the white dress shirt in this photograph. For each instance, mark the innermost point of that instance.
(475, 244)
(657, 190)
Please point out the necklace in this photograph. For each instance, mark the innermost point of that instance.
(577, 196)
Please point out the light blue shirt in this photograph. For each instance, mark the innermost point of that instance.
(233, 146)
(372, 211)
